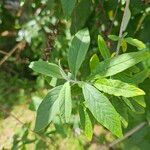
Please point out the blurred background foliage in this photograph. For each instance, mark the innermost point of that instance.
(44, 30)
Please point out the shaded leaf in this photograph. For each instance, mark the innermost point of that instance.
(48, 109)
(86, 122)
(80, 14)
(68, 6)
(103, 47)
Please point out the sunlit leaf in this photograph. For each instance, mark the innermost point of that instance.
(78, 49)
(102, 109)
(45, 68)
(117, 88)
(119, 63)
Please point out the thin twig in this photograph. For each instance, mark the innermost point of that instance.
(128, 134)
(122, 27)
(2, 52)
(19, 46)
(23, 124)
(8, 33)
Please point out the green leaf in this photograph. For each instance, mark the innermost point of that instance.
(102, 109)
(129, 103)
(68, 6)
(140, 100)
(141, 76)
(78, 49)
(113, 37)
(80, 15)
(121, 108)
(103, 47)
(124, 46)
(86, 123)
(53, 82)
(94, 61)
(65, 102)
(135, 42)
(48, 109)
(119, 63)
(118, 88)
(45, 68)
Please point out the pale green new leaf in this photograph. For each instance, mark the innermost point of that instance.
(135, 42)
(103, 47)
(78, 49)
(48, 109)
(94, 61)
(117, 88)
(45, 68)
(113, 37)
(65, 102)
(102, 109)
(119, 63)
(68, 6)
(124, 46)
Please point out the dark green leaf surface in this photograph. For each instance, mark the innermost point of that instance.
(68, 6)
(48, 109)
(80, 14)
(86, 123)
(103, 47)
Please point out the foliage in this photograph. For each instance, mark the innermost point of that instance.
(89, 61)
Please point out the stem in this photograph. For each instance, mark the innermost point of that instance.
(18, 120)
(128, 134)
(19, 46)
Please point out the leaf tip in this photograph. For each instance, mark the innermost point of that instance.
(31, 65)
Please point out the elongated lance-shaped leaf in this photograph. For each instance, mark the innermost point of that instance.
(135, 42)
(94, 61)
(119, 63)
(78, 50)
(117, 88)
(65, 102)
(68, 6)
(80, 15)
(102, 109)
(45, 68)
(48, 109)
(86, 122)
(103, 47)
